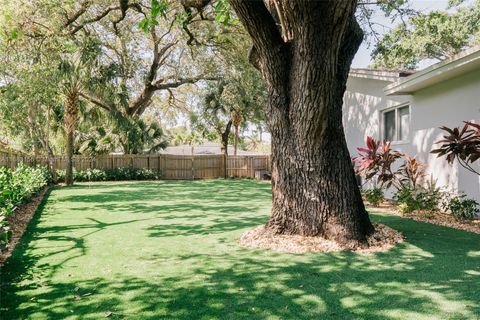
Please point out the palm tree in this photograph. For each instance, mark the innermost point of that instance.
(72, 73)
(71, 88)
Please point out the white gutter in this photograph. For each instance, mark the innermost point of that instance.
(382, 75)
(466, 61)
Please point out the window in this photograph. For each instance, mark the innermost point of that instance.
(396, 124)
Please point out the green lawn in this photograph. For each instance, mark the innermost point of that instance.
(151, 250)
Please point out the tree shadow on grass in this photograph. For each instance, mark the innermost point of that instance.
(435, 274)
(407, 282)
(206, 190)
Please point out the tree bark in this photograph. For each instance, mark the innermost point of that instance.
(236, 121)
(235, 140)
(313, 182)
(225, 136)
(71, 113)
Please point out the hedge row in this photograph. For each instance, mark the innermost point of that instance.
(117, 174)
(17, 186)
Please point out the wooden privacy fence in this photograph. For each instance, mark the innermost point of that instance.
(169, 166)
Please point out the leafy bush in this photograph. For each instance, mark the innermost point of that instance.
(423, 199)
(116, 174)
(17, 186)
(374, 196)
(461, 207)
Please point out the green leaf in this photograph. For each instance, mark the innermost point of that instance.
(144, 24)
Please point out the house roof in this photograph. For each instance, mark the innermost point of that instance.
(379, 74)
(464, 62)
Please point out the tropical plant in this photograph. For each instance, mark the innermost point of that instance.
(461, 144)
(137, 136)
(375, 162)
(411, 173)
(72, 87)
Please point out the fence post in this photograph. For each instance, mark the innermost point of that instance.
(164, 171)
(159, 168)
(225, 165)
(193, 167)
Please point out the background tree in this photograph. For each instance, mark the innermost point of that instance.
(72, 86)
(435, 35)
(132, 66)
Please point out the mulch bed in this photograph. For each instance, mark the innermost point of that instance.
(18, 223)
(439, 218)
(382, 240)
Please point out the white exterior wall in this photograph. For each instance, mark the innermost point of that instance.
(362, 105)
(446, 104)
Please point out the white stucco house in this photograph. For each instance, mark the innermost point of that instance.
(408, 108)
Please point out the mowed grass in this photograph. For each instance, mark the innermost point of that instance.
(154, 250)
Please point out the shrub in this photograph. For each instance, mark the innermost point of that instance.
(406, 200)
(374, 196)
(423, 199)
(116, 174)
(17, 186)
(461, 207)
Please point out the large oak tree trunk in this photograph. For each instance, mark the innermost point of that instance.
(305, 58)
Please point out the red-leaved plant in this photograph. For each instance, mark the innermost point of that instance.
(375, 162)
(462, 144)
(411, 173)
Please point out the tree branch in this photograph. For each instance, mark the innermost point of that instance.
(144, 99)
(270, 52)
(160, 85)
(96, 101)
(83, 8)
(259, 23)
(123, 7)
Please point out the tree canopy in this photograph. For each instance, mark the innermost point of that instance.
(434, 35)
(143, 55)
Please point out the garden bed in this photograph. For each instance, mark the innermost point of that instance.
(438, 218)
(18, 223)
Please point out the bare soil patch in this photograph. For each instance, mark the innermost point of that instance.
(382, 240)
(18, 223)
(438, 218)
